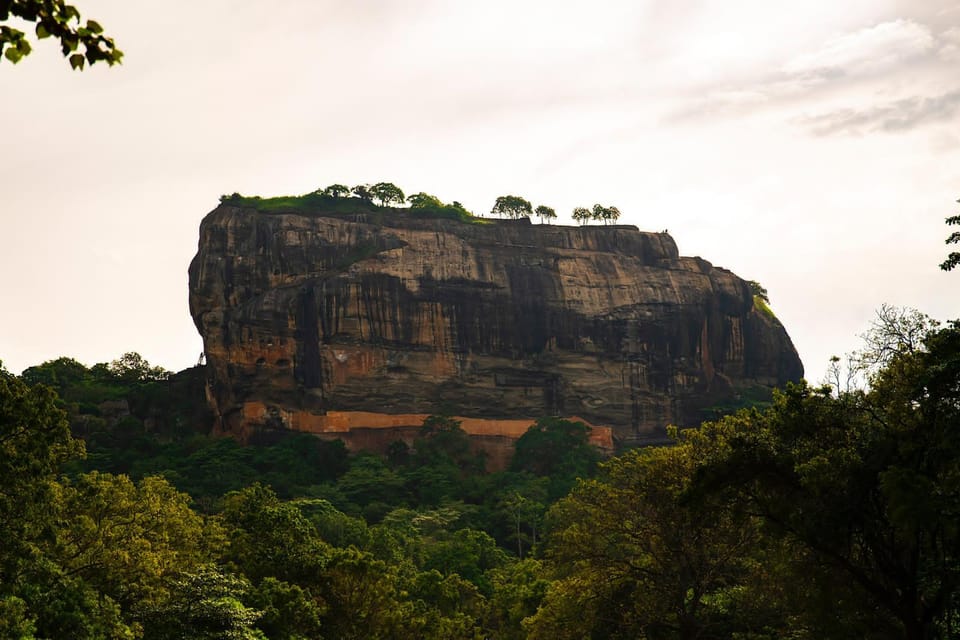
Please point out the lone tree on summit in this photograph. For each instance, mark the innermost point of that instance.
(387, 193)
(512, 207)
(54, 18)
(545, 213)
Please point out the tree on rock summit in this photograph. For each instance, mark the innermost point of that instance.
(512, 207)
(581, 215)
(423, 200)
(545, 213)
(336, 191)
(606, 214)
(387, 193)
(362, 191)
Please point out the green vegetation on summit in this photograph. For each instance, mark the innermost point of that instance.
(340, 199)
(386, 197)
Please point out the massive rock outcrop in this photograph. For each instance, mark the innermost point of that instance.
(337, 324)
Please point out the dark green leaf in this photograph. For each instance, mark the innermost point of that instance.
(76, 61)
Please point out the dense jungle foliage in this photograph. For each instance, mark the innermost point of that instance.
(832, 513)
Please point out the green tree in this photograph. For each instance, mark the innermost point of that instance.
(370, 486)
(607, 214)
(36, 594)
(423, 200)
(336, 191)
(545, 213)
(633, 560)
(599, 212)
(467, 553)
(362, 191)
(35, 442)
(953, 259)
(441, 439)
(558, 449)
(205, 604)
(387, 193)
(334, 526)
(758, 290)
(581, 215)
(444, 463)
(863, 483)
(290, 612)
(125, 539)
(444, 607)
(512, 207)
(131, 367)
(525, 514)
(362, 594)
(16, 622)
(270, 538)
(518, 591)
(112, 547)
(57, 19)
(59, 374)
(64, 606)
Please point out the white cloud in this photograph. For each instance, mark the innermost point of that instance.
(898, 115)
(950, 51)
(889, 76)
(868, 50)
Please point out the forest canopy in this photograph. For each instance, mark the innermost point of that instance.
(829, 513)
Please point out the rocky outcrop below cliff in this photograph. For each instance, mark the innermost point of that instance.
(305, 317)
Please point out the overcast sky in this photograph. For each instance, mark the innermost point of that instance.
(813, 150)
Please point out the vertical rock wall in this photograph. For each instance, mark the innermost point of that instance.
(392, 315)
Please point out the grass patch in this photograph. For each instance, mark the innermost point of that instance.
(306, 203)
(317, 203)
(763, 307)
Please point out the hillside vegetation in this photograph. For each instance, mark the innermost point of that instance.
(830, 513)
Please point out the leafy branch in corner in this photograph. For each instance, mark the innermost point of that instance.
(55, 18)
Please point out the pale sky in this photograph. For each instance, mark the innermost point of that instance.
(814, 150)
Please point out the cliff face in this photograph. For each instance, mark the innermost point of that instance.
(309, 318)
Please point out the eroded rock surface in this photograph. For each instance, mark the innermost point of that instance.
(306, 317)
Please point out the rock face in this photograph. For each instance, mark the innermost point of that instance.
(320, 322)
